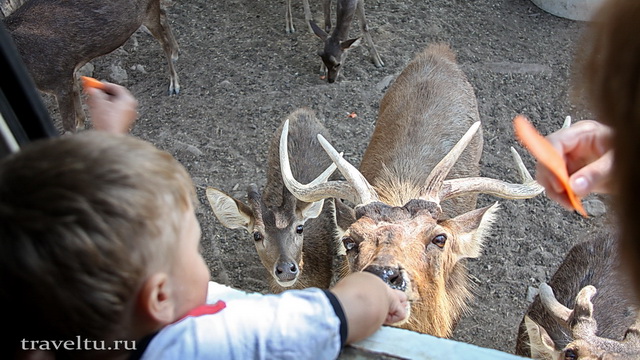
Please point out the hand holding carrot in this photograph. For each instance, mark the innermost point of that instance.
(112, 107)
(587, 150)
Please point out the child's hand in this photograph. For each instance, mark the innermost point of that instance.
(397, 307)
(586, 148)
(113, 109)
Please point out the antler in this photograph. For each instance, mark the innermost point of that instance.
(356, 189)
(438, 189)
(435, 180)
(555, 308)
(527, 189)
(584, 326)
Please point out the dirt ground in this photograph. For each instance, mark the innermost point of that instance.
(241, 74)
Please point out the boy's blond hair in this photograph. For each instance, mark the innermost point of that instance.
(83, 220)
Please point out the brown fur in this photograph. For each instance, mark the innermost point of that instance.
(422, 115)
(56, 38)
(593, 262)
(275, 213)
(9, 6)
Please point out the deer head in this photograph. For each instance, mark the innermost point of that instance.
(412, 247)
(277, 232)
(336, 44)
(580, 322)
(275, 219)
(334, 52)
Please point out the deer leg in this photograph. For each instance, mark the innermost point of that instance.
(288, 19)
(323, 70)
(343, 61)
(307, 14)
(70, 105)
(375, 57)
(158, 25)
(327, 15)
(326, 5)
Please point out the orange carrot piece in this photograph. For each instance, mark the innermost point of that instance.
(546, 154)
(88, 82)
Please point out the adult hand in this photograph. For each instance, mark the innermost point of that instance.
(586, 148)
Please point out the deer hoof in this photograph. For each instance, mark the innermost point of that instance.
(174, 90)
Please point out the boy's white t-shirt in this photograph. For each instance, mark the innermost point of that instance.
(296, 324)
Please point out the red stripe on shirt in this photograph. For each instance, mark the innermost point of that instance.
(207, 309)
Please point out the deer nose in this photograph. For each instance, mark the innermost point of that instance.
(286, 270)
(391, 275)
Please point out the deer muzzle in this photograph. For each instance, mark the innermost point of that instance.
(391, 275)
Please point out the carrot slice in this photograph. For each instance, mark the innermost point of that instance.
(546, 154)
(88, 82)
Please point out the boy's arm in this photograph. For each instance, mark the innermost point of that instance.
(112, 109)
(368, 303)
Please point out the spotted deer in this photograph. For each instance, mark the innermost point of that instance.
(420, 167)
(56, 38)
(296, 240)
(588, 309)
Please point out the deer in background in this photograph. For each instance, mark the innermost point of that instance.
(288, 16)
(56, 38)
(602, 322)
(336, 44)
(425, 150)
(296, 240)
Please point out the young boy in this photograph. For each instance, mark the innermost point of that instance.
(99, 258)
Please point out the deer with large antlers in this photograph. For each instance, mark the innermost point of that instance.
(604, 320)
(420, 167)
(296, 241)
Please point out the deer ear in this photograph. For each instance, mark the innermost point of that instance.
(540, 343)
(310, 210)
(319, 32)
(471, 228)
(350, 44)
(345, 215)
(231, 212)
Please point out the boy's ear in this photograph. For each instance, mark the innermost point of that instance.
(155, 299)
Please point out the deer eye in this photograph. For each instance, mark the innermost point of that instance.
(570, 354)
(439, 240)
(257, 236)
(299, 229)
(349, 243)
